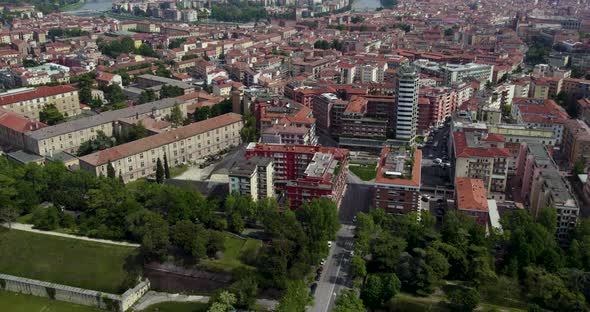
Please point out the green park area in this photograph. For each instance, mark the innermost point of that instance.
(177, 307)
(15, 302)
(61, 260)
(366, 172)
(238, 252)
(410, 303)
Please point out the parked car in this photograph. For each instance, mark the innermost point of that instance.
(323, 262)
(313, 287)
(437, 161)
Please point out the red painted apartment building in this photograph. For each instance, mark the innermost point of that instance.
(304, 172)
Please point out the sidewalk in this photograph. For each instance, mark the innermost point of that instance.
(29, 228)
(154, 297)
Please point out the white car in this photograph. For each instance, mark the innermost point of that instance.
(323, 262)
(329, 243)
(437, 161)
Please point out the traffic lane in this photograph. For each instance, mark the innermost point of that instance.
(358, 198)
(334, 275)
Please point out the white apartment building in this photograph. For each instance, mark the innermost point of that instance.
(138, 159)
(406, 105)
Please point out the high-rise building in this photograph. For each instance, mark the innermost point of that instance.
(406, 120)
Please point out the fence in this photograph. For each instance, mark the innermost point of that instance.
(111, 302)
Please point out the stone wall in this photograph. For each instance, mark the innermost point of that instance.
(111, 302)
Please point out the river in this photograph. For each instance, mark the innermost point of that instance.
(365, 5)
(93, 5)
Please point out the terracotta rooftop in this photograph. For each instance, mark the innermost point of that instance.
(465, 149)
(18, 123)
(383, 168)
(34, 94)
(471, 195)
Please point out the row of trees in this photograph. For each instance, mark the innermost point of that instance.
(523, 263)
(125, 45)
(239, 11)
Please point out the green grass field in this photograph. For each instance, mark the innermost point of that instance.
(237, 251)
(366, 172)
(177, 307)
(14, 302)
(408, 303)
(63, 260)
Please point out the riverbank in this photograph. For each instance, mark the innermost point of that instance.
(73, 6)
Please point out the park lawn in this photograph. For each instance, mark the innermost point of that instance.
(236, 249)
(15, 302)
(177, 307)
(409, 303)
(62, 260)
(366, 172)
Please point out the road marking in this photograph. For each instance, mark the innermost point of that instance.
(333, 285)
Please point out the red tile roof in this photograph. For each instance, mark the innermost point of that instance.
(463, 150)
(471, 195)
(19, 123)
(35, 94)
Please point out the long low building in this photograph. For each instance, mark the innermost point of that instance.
(138, 159)
(68, 136)
(30, 101)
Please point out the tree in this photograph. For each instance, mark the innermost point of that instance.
(85, 95)
(321, 44)
(449, 32)
(110, 170)
(99, 143)
(224, 302)
(135, 132)
(168, 91)
(378, 290)
(466, 299)
(358, 267)
(548, 218)
(114, 94)
(387, 251)
(190, 237)
(579, 167)
(8, 194)
(246, 289)
(163, 72)
(236, 223)
(50, 115)
(152, 231)
(249, 132)
(348, 301)
(166, 167)
(146, 50)
(147, 96)
(159, 172)
(176, 116)
(296, 298)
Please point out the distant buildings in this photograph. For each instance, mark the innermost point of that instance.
(540, 113)
(397, 184)
(455, 73)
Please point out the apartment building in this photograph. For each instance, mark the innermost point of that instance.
(436, 104)
(540, 113)
(544, 186)
(397, 183)
(481, 156)
(14, 127)
(576, 142)
(406, 120)
(30, 101)
(68, 136)
(138, 159)
(253, 178)
(292, 177)
(283, 121)
(470, 197)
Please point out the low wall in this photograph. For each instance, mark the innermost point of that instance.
(111, 302)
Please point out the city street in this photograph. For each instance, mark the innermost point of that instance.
(436, 147)
(335, 275)
(358, 197)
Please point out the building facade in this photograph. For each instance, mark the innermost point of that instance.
(29, 102)
(253, 178)
(138, 159)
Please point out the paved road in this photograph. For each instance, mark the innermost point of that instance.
(153, 297)
(29, 228)
(335, 275)
(433, 176)
(358, 197)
